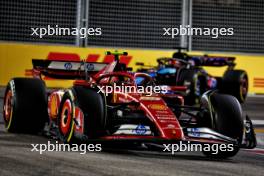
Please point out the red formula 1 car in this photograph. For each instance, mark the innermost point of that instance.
(84, 112)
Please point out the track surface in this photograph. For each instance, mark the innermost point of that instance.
(16, 158)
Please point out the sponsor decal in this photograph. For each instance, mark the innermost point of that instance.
(131, 129)
(171, 126)
(140, 130)
(158, 107)
(195, 132)
(68, 66)
(162, 112)
(150, 98)
(90, 67)
(166, 117)
(53, 106)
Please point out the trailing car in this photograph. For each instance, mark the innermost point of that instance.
(84, 113)
(187, 70)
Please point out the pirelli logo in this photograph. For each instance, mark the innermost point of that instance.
(259, 82)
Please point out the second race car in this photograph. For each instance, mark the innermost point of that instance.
(187, 70)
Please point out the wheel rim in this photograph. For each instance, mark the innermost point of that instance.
(8, 108)
(66, 117)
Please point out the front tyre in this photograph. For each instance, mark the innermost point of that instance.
(91, 105)
(227, 120)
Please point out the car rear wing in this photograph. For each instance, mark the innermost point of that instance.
(66, 69)
(217, 61)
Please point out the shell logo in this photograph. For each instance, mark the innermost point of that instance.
(157, 107)
(53, 105)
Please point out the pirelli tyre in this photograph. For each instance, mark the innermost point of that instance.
(25, 105)
(93, 107)
(235, 82)
(227, 120)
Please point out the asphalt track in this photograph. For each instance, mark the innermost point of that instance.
(16, 157)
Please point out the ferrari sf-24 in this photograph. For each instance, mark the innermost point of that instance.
(85, 114)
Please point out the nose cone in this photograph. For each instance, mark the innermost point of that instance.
(164, 119)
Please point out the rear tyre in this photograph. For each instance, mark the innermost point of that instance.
(227, 121)
(235, 82)
(25, 105)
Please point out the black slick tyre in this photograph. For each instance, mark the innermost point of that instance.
(25, 105)
(93, 109)
(93, 106)
(235, 82)
(227, 121)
